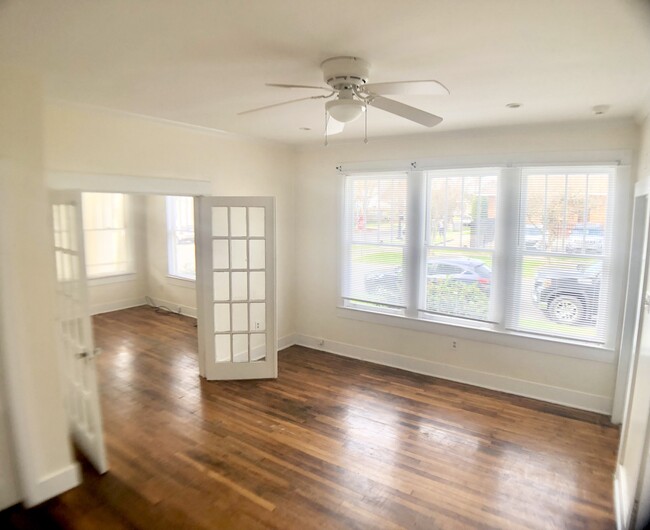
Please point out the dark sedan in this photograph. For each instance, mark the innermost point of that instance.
(568, 295)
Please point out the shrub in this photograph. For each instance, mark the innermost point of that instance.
(458, 298)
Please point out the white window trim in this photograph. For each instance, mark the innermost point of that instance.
(112, 278)
(180, 281)
(498, 334)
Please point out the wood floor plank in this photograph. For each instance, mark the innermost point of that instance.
(332, 443)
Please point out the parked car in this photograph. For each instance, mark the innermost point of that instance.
(533, 238)
(462, 269)
(587, 237)
(568, 296)
(468, 270)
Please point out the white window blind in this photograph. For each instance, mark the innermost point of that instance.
(180, 237)
(514, 251)
(460, 241)
(375, 239)
(107, 234)
(563, 253)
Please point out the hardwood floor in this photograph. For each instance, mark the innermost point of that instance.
(332, 443)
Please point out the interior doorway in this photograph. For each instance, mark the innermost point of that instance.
(119, 281)
(245, 251)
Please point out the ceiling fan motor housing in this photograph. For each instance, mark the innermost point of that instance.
(343, 73)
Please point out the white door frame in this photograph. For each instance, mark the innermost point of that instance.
(624, 501)
(637, 256)
(17, 437)
(130, 184)
(120, 183)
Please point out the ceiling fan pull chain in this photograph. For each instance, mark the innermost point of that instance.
(326, 127)
(365, 130)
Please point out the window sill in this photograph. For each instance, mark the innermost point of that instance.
(509, 339)
(113, 278)
(181, 282)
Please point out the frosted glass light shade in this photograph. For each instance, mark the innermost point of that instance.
(344, 110)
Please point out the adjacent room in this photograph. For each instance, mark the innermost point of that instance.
(292, 264)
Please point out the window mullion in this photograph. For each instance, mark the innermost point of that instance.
(415, 240)
(505, 272)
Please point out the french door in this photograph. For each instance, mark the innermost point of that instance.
(235, 254)
(74, 328)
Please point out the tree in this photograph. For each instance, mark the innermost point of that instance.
(561, 212)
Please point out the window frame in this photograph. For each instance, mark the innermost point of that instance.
(504, 265)
(606, 257)
(348, 241)
(171, 232)
(426, 191)
(129, 221)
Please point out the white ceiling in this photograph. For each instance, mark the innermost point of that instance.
(202, 61)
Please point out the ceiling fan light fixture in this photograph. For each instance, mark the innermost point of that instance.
(345, 110)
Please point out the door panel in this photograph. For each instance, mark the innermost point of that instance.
(635, 427)
(236, 287)
(74, 328)
(632, 452)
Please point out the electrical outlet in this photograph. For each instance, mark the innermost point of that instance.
(257, 325)
(454, 345)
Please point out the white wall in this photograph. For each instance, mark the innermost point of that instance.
(150, 278)
(87, 140)
(644, 152)
(169, 292)
(27, 283)
(578, 382)
(111, 294)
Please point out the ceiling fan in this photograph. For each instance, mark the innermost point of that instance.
(347, 80)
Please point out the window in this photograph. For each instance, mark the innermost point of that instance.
(564, 254)
(461, 222)
(107, 236)
(376, 235)
(512, 250)
(180, 237)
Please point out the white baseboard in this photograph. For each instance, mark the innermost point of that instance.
(116, 306)
(53, 485)
(185, 309)
(286, 341)
(519, 387)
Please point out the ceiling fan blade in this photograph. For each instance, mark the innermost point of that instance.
(407, 88)
(282, 85)
(334, 127)
(278, 104)
(405, 111)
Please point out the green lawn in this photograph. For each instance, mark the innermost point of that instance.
(382, 257)
(543, 325)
